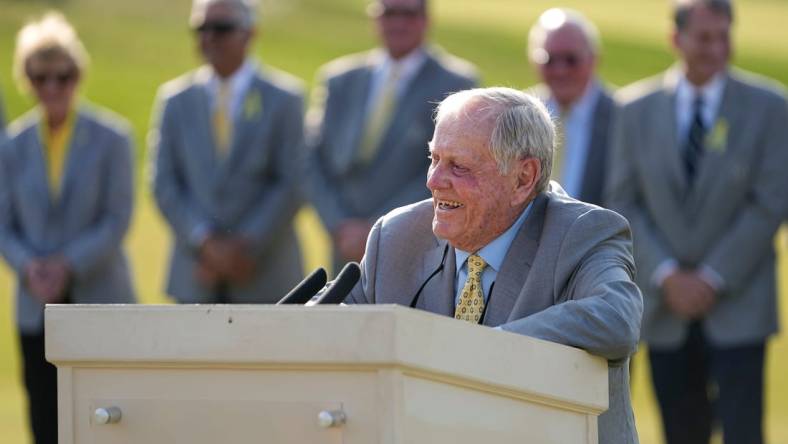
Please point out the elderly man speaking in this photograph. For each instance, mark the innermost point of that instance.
(499, 245)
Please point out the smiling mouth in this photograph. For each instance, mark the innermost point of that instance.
(449, 205)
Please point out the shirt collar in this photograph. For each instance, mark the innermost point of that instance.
(711, 92)
(495, 252)
(583, 105)
(239, 80)
(408, 65)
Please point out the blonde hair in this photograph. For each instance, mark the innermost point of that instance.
(47, 37)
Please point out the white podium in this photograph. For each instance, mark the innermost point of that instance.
(290, 374)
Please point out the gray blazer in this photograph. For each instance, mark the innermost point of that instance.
(2, 121)
(567, 278)
(728, 219)
(595, 172)
(86, 224)
(250, 193)
(340, 187)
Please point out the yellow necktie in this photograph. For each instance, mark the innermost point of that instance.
(222, 124)
(56, 151)
(379, 116)
(471, 304)
(560, 146)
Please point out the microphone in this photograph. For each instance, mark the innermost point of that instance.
(306, 288)
(340, 288)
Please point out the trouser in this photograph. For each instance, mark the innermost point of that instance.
(701, 385)
(40, 379)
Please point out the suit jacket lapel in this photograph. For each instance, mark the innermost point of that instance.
(516, 265)
(669, 147)
(415, 95)
(79, 149)
(594, 173)
(250, 120)
(346, 154)
(198, 113)
(437, 296)
(40, 179)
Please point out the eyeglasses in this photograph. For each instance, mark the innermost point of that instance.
(379, 10)
(569, 59)
(60, 79)
(217, 28)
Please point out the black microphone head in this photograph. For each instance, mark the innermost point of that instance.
(340, 288)
(306, 288)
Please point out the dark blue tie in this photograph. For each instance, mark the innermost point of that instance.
(694, 148)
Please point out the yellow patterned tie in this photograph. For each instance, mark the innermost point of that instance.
(379, 116)
(222, 124)
(471, 304)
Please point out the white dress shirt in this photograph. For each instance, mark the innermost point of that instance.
(577, 125)
(239, 84)
(408, 67)
(711, 94)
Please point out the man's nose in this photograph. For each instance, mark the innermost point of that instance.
(436, 177)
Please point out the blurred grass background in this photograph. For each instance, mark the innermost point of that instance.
(136, 45)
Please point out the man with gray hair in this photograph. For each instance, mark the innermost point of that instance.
(371, 120)
(698, 168)
(564, 47)
(225, 143)
(500, 245)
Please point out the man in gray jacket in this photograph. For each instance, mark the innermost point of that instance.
(698, 168)
(370, 123)
(226, 142)
(501, 246)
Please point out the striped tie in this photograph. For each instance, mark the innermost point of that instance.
(471, 305)
(694, 148)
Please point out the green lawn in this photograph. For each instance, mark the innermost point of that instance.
(136, 45)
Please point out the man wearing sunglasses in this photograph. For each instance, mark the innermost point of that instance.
(370, 123)
(563, 46)
(225, 144)
(698, 167)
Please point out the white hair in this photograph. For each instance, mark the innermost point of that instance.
(522, 126)
(50, 36)
(246, 11)
(558, 18)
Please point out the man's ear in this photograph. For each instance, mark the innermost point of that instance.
(529, 172)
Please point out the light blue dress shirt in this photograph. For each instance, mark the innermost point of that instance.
(577, 126)
(492, 253)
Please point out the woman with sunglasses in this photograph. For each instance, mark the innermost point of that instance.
(65, 201)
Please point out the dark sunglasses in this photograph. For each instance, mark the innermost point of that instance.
(58, 78)
(218, 28)
(378, 10)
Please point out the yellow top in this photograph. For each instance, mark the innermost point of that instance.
(56, 146)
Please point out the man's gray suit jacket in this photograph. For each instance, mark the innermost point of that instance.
(567, 278)
(726, 220)
(2, 121)
(252, 192)
(340, 185)
(85, 224)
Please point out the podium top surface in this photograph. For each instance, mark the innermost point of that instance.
(351, 338)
